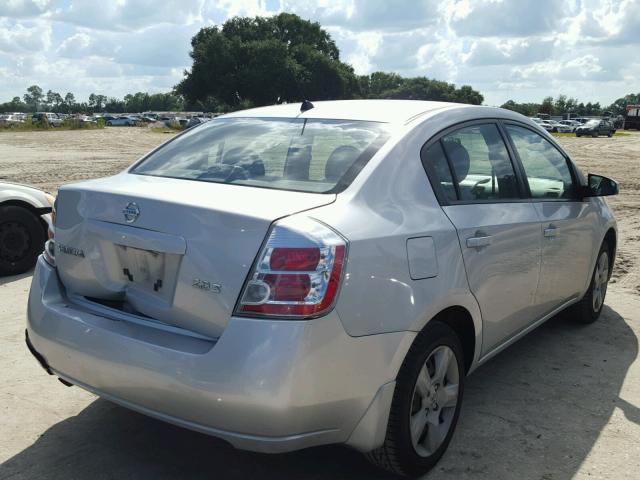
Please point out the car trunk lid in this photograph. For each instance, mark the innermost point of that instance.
(175, 251)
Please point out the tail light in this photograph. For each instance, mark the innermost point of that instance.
(49, 253)
(297, 273)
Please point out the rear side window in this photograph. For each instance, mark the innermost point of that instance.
(547, 170)
(479, 165)
(309, 155)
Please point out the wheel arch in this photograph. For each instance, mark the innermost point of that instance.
(37, 212)
(460, 320)
(611, 238)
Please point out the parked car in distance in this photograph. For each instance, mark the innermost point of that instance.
(553, 126)
(292, 276)
(572, 124)
(51, 118)
(6, 120)
(87, 119)
(594, 128)
(24, 221)
(119, 121)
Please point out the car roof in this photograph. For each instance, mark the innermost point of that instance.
(388, 111)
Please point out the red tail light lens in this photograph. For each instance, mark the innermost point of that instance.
(298, 271)
(292, 259)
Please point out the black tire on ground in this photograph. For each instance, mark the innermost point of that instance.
(610, 134)
(586, 310)
(595, 135)
(22, 238)
(398, 454)
(109, 124)
(578, 135)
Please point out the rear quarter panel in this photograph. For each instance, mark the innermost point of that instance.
(390, 202)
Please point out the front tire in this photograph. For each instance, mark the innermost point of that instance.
(22, 239)
(589, 308)
(426, 403)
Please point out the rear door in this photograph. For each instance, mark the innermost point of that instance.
(498, 228)
(568, 224)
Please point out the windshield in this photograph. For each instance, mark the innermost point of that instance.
(593, 122)
(320, 156)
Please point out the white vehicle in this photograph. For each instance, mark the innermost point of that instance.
(572, 124)
(122, 121)
(25, 216)
(51, 118)
(10, 119)
(300, 275)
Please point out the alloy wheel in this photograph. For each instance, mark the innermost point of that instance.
(434, 401)
(600, 281)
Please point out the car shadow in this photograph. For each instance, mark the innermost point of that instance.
(14, 278)
(534, 411)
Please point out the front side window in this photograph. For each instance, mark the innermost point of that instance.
(309, 155)
(481, 165)
(547, 170)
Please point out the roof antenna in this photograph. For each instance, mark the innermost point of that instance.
(306, 105)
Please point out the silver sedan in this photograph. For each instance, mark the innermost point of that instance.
(299, 275)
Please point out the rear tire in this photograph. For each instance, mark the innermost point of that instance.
(589, 308)
(109, 124)
(426, 403)
(22, 239)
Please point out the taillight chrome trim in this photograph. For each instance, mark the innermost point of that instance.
(255, 267)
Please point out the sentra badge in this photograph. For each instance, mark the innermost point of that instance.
(66, 249)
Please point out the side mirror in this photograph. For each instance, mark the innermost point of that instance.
(600, 186)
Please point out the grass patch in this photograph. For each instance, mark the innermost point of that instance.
(558, 134)
(68, 124)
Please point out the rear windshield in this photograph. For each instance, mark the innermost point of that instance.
(309, 155)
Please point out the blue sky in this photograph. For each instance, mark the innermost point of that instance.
(518, 49)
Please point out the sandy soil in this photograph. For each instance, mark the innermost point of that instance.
(618, 158)
(563, 403)
(50, 159)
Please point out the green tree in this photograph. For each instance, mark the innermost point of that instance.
(265, 60)
(69, 102)
(619, 107)
(547, 106)
(33, 96)
(54, 99)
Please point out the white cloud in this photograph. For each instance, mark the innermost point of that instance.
(23, 8)
(19, 38)
(521, 49)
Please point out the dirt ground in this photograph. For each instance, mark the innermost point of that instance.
(563, 403)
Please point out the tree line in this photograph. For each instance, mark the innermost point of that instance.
(35, 100)
(563, 104)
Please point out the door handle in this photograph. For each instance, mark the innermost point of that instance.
(551, 231)
(478, 242)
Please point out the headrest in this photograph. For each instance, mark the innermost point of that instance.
(339, 162)
(460, 159)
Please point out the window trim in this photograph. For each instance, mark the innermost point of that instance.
(521, 184)
(574, 176)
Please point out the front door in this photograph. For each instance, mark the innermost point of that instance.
(567, 224)
(498, 229)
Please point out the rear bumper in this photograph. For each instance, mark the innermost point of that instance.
(269, 386)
